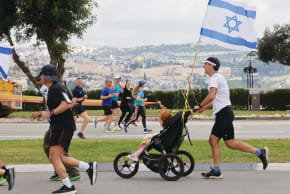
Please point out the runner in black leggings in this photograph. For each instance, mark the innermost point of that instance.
(139, 105)
(127, 105)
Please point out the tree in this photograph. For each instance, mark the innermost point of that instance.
(275, 46)
(52, 22)
(9, 19)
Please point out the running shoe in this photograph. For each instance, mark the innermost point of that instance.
(2, 180)
(95, 123)
(116, 128)
(134, 124)
(74, 177)
(212, 175)
(147, 131)
(120, 126)
(81, 135)
(104, 127)
(264, 157)
(10, 178)
(54, 177)
(65, 189)
(125, 128)
(92, 172)
(133, 157)
(109, 130)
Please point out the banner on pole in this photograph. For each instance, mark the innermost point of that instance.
(5, 59)
(230, 24)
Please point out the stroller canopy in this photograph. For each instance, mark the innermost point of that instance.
(172, 131)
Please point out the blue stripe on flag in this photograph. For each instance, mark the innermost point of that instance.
(227, 39)
(234, 8)
(5, 50)
(4, 75)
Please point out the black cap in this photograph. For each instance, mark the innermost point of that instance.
(213, 61)
(49, 72)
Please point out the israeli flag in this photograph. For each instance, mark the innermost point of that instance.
(5, 59)
(230, 24)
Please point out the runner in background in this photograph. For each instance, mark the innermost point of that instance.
(106, 97)
(138, 94)
(127, 104)
(80, 96)
(115, 106)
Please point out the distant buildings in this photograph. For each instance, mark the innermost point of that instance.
(163, 66)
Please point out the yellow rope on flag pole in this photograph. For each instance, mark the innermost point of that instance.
(186, 106)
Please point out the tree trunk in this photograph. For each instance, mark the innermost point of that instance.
(60, 69)
(20, 63)
(55, 60)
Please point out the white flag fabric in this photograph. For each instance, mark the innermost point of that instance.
(5, 59)
(230, 24)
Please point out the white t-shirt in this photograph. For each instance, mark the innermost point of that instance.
(222, 98)
(44, 90)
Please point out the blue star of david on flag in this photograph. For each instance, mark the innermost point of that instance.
(229, 24)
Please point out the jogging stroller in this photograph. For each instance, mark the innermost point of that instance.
(171, 163)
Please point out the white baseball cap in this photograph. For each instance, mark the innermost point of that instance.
(117, 77)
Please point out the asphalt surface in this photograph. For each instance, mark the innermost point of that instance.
(234, 182)
(199, 129)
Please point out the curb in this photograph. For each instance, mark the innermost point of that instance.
(108, 167)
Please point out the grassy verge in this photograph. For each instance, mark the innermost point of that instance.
(105, 150)
(156, 112)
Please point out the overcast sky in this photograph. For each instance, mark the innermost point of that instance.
(127, 23)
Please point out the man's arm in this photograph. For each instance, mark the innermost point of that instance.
(62, 107)
(207, 102)
(106, 97)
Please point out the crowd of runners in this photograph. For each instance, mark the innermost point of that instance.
(61, 108)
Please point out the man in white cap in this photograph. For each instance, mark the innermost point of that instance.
(218, 98)
(115, 105)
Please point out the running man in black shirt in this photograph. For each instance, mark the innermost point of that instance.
(62, 128)
(73, 173)
(80, 96)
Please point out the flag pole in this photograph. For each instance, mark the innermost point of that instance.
(191, 75)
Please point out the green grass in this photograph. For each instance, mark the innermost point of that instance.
(156, 112)
(105, 150)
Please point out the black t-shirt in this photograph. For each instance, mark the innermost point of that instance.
(54, 99)
(78, 93)
(125, 94)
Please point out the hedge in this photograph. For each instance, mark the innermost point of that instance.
(276, 100)
(173, 99)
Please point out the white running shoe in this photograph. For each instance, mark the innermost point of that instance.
(109, 130)
(116, 128)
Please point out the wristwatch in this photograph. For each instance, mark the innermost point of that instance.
(200, 106)
(51, 113)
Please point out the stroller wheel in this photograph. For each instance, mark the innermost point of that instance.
(124, 167)
(188, 161)
(171, 167)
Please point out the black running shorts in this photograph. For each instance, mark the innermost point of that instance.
(61, 134)
(115, 104)
(223, 126)
(107, 110)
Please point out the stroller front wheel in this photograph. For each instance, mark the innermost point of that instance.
(171, 167)
(188, 161)
(124, 167)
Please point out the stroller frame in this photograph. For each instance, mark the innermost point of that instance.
(171, 163)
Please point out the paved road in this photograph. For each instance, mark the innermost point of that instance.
(245, 129)
(234, 182)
